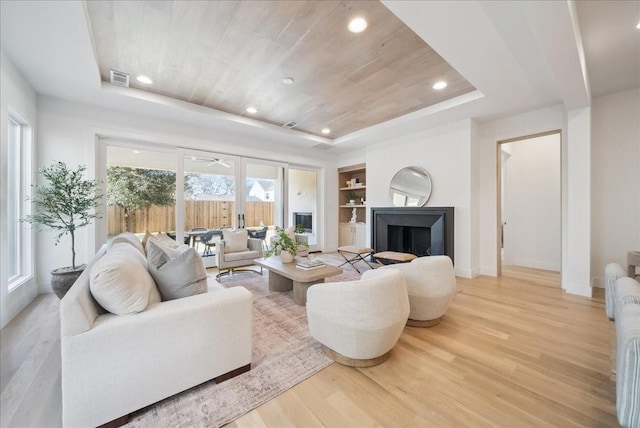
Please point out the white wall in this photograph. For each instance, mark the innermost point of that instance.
(615, 179)
(576, 274)
(445, 152)
(532, 209)
(302, 193)
(17, 96)
(543, 120)
(67, 131)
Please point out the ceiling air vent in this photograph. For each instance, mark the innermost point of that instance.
(292, 124)
(119, 78)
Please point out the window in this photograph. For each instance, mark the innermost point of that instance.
(18, 188)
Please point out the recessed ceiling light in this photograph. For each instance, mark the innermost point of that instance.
(326, 131)
(357, 25)
(638, 26)
(144, 79)
(440, 85)
(136, 151)
(252, 110)
(287, 80)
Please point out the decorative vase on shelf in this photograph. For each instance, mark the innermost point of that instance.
(286, 257)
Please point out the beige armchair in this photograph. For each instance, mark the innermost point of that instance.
(359, 322)
(236, 249)
(431, 284)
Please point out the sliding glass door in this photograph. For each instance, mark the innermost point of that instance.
(188, 194)
(263, 202)
(141, 189)
(222, 191)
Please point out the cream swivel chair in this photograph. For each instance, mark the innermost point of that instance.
(431, 284)
(359, 322)
(236, 249)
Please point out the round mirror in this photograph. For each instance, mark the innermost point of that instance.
(410, 187)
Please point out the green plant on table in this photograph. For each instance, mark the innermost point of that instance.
(282, 242)
(299, 228)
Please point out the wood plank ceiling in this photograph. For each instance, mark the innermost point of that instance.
(229, 55)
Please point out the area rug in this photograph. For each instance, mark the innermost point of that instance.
(284, 354)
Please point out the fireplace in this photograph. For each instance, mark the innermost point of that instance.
(305, 219)
(423, 231)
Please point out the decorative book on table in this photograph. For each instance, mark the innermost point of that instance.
(310, 264)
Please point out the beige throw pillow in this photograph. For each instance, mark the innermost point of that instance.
(169, 245)
(129, 238)
(181, 276)
(235, 240)
(119, 281)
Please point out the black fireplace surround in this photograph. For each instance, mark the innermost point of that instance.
(423, 231)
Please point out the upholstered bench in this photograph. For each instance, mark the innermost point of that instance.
(391, 257)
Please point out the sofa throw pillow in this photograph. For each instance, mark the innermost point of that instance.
(235, 240)
(119, 281)
(176, 277)
(170, 246)
(165, 240)
(129, 238)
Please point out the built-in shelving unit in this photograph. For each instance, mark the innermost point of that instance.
(352, 186)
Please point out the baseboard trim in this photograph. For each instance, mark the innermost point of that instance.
(489, 271)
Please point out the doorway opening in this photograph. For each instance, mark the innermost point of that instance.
(529, 203)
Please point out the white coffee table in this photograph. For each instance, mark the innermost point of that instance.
(287, 277)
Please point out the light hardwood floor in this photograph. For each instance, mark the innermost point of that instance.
(512, 351)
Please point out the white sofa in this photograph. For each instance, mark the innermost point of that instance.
(623, 305)
(113, 365)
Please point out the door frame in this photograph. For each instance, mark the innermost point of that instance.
(499, 220)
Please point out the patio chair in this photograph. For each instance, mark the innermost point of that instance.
(209, 243)
(261, 235)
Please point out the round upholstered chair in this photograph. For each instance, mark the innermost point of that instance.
(431, 284)
(359, 322)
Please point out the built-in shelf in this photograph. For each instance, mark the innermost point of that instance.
(352, 174)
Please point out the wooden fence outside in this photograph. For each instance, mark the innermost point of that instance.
(208, 214)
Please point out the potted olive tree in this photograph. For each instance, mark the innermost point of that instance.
(64, 204)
